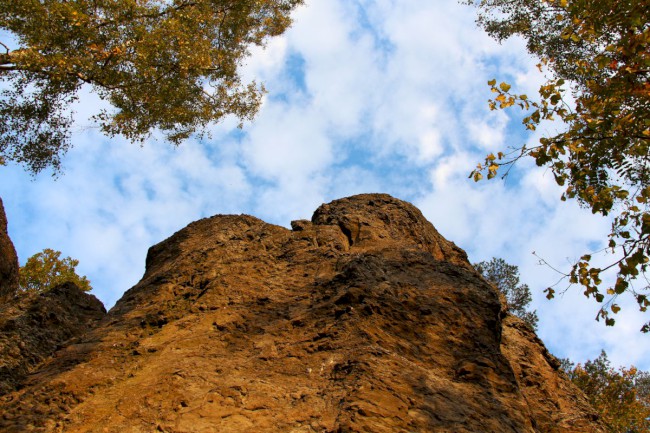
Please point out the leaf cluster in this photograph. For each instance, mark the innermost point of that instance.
(168, 65)
(598, 53)
(46, 270)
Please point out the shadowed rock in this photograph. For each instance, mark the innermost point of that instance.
(8, 260)
(33, 326)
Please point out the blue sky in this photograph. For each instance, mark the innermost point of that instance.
(363, 96)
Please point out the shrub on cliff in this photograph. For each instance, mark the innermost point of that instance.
(505, 278)
(47, 269)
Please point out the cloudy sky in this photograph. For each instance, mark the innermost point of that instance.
(363, 96)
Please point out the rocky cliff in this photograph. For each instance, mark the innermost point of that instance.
(363, 319)
(8, 261)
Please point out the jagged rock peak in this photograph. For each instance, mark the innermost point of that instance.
(358, 223)
(370, 220)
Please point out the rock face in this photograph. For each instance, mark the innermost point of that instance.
(34, 326)
(8, 260)
(363, 319)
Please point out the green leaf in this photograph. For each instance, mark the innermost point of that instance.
(600, 152)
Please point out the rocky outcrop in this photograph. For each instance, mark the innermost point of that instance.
(363, 319)
(553, 404)
(34, 326)
(8, 260)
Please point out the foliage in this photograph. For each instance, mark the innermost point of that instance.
(168, 65)
(506, 278)
(621, 397)
(599, 57)
(566, 365)
(46, 270)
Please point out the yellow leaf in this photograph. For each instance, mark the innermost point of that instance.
(504, 87)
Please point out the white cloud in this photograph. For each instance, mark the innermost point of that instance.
(364, 96)
(283, 143)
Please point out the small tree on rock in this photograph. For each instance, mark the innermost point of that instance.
(46, 270)
(506, 278)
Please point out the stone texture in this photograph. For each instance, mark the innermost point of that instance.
(34, 326)
(552, 399)
(8, 260)
(363, 319)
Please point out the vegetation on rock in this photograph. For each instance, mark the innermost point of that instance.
(505, 277)
(46, 270)
(162, 65)
(598, 54)
(620, 396)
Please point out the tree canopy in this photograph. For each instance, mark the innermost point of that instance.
(46, 270)
(621, 396)
(167, 65)
(597, 53)
(505, 278)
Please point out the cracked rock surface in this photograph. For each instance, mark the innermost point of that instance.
(362, 319)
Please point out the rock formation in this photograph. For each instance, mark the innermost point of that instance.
(8, 260)
(363, 319)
